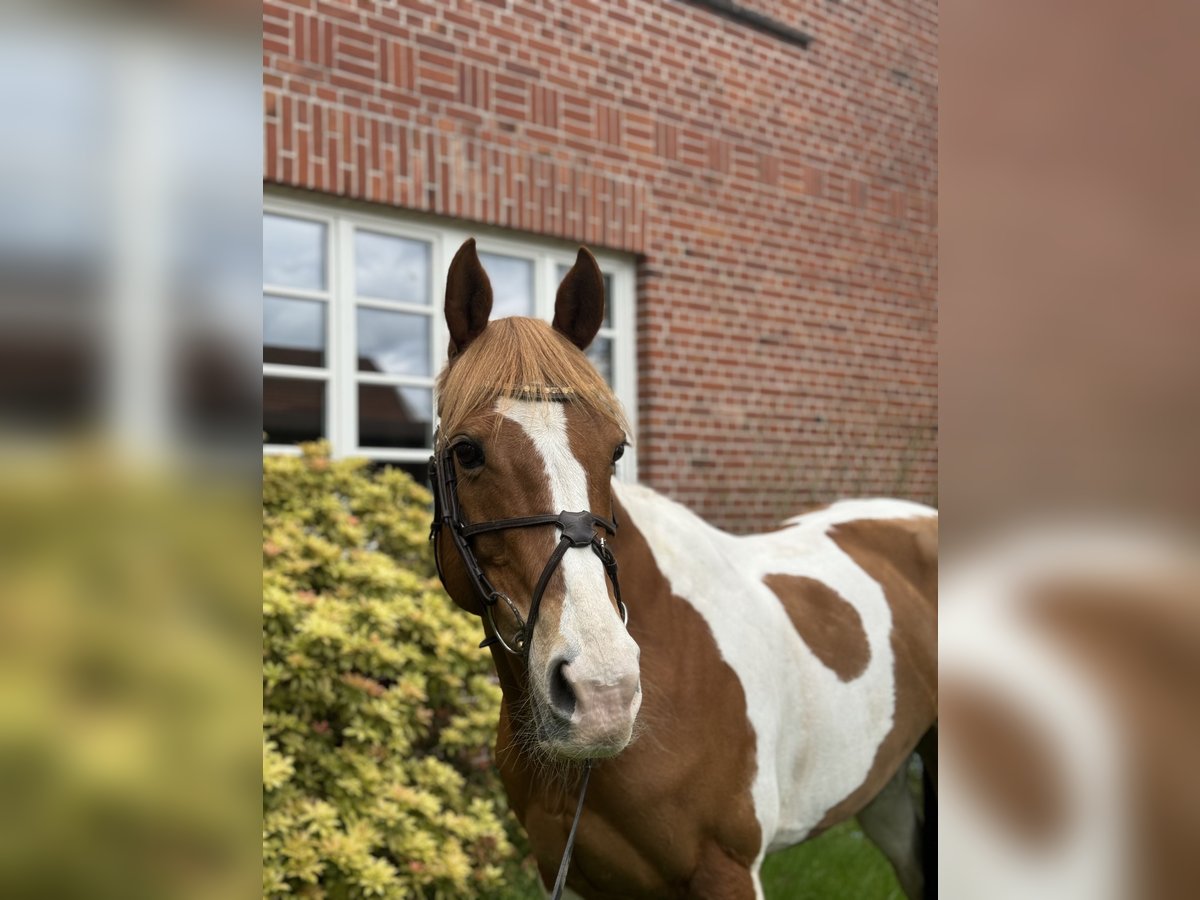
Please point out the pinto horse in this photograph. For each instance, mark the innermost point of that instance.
(763, 689)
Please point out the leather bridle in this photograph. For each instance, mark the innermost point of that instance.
(578, 530)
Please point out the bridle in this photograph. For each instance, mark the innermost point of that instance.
(578, 530)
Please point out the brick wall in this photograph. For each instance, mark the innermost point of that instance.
(783, 203)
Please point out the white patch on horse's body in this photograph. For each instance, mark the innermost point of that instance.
(856, 510)
(589, 620)
(816, 735)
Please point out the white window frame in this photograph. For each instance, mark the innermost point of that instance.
(340, 373)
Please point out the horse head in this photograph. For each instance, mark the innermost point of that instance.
(524, 460)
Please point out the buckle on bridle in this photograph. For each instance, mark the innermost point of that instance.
(577, 527)
(520, 639)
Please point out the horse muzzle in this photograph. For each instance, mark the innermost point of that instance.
(593, 713)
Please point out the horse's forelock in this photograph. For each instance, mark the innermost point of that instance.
(521, 358)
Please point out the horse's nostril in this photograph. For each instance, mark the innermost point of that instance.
(562, 695)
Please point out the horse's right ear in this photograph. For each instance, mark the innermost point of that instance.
(468, 298)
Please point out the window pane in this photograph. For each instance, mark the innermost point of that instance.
(608, 292)
(397, 343)
(419, 472)
(293, 331)
(394, 416)
(608, 300)
(600, 353)
(391, 268)
(293, 410)
(512, 284)
(293, 253)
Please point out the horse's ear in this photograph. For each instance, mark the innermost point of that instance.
(468, 298)
(579, 308)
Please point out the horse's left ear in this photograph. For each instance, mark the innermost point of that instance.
(579, 308)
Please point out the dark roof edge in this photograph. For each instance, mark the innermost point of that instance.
(752, 19)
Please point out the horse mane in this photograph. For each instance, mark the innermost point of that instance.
(525, 359)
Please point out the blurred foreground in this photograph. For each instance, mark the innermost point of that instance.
(1069, 732)
(1070, 430)
(128, 710)
(129, 321)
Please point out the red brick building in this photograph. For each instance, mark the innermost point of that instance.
(759, 180)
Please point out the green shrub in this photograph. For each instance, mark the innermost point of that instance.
(379, 712)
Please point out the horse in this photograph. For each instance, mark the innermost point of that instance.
(723, 696)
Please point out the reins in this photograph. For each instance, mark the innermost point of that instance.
(578, 530)
(561, 881)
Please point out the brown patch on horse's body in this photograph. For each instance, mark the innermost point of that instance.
(827, 623)
(672, 816)
(900, 554)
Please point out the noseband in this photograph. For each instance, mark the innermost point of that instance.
(578, 530)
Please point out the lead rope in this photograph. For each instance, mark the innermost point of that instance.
(561, 881)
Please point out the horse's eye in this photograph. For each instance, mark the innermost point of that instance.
(619, 452)
(469, 454)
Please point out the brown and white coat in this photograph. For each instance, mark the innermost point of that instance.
(779, 682)
(786, 677)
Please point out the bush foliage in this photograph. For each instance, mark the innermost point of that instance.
(379, 712)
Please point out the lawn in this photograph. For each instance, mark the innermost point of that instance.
(841, 864)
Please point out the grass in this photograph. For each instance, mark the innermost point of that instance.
(841, 864)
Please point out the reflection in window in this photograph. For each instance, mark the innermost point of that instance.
(393, 342)
(600, 353)
(419, 471)
(293, 253)
(512, 284)
(391, 416)
(391, 268)
(293, 331)
(293, 410)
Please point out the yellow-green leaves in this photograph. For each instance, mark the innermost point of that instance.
(378, 708)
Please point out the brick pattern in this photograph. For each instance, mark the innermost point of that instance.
(783, 204)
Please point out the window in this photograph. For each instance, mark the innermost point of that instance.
(353, 333)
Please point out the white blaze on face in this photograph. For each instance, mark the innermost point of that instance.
(590, 633)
